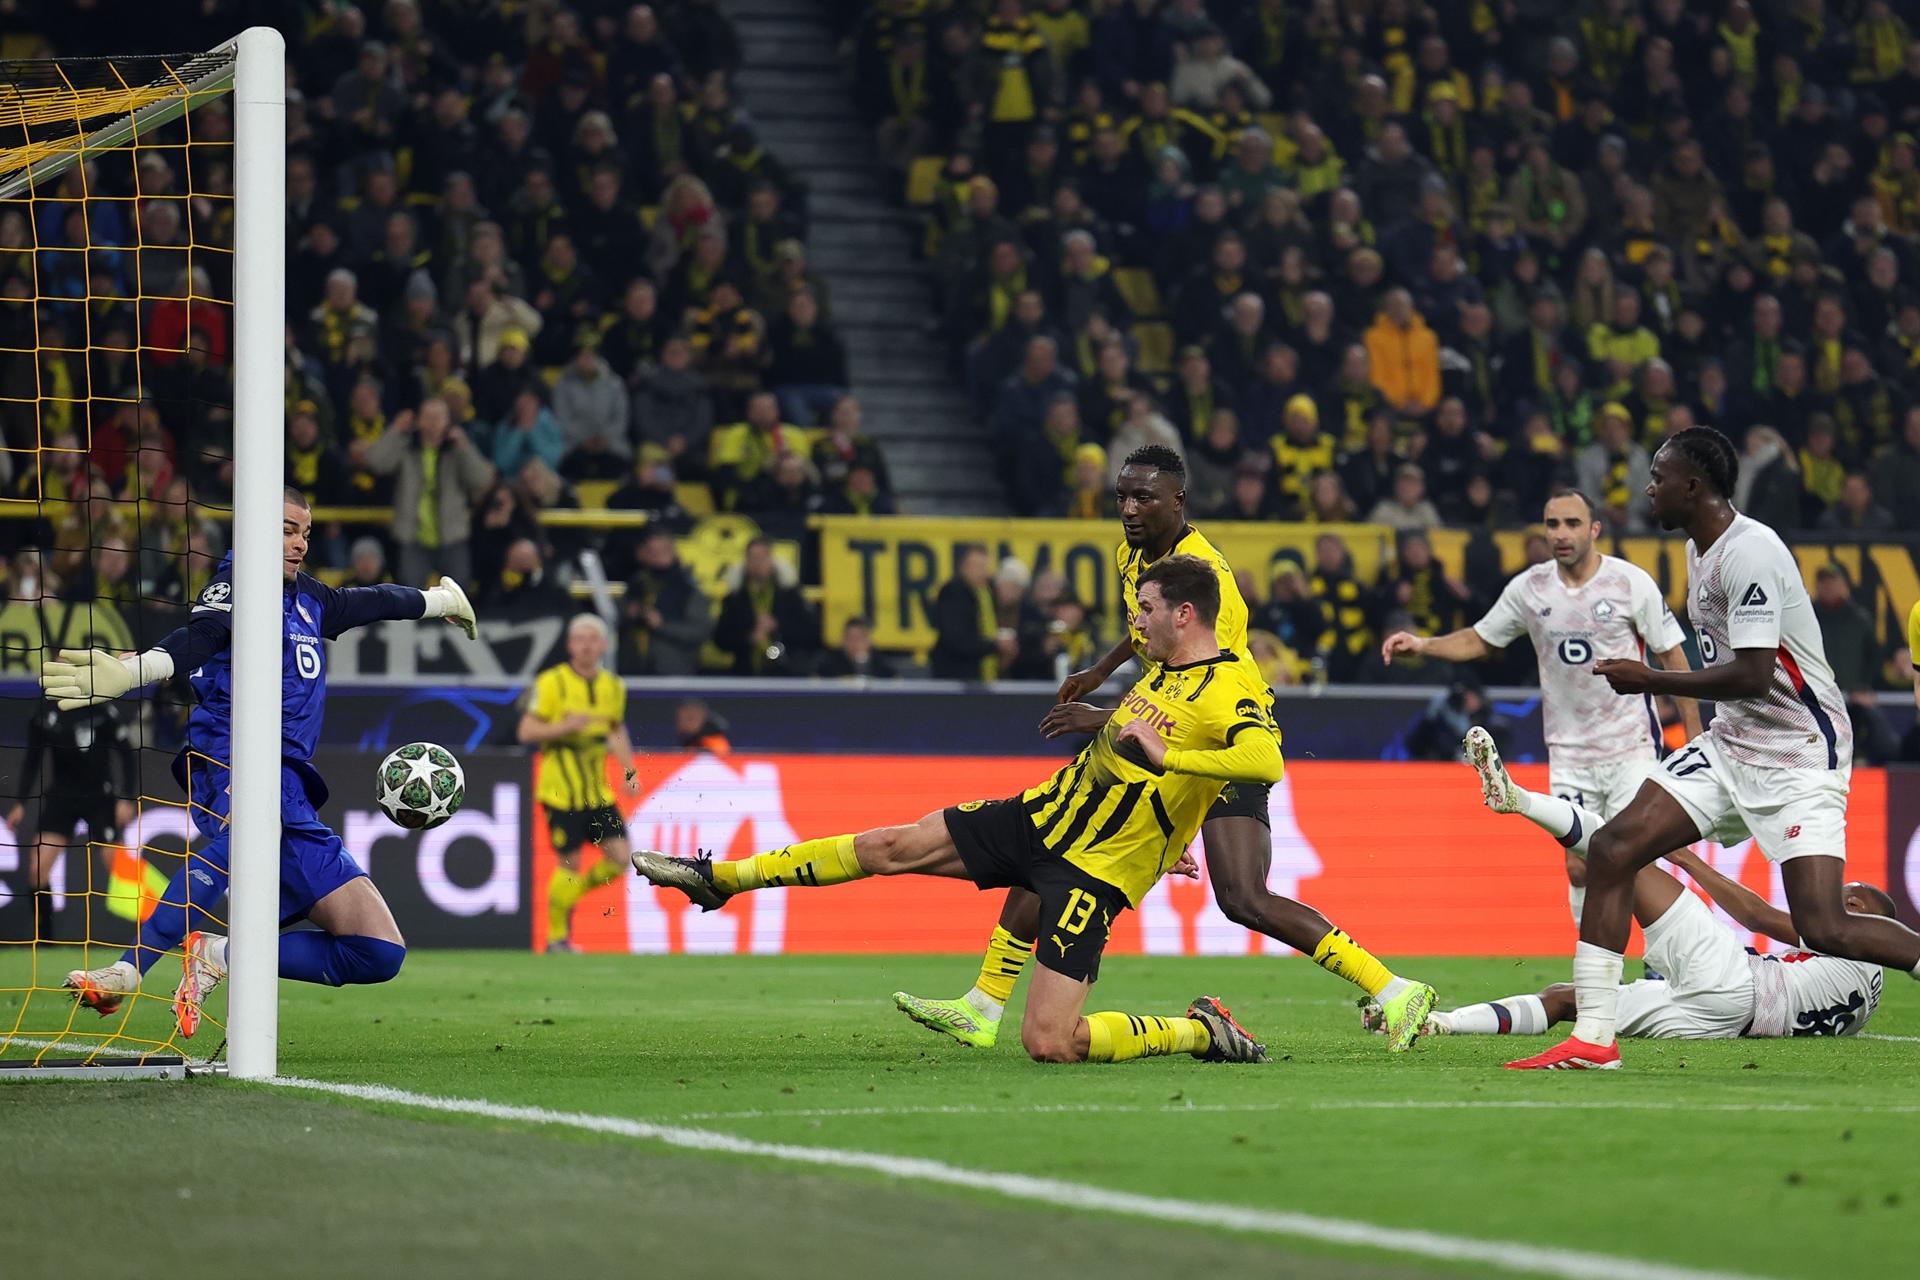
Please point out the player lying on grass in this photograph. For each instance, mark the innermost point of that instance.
(577, 715)
(1715, 989)
(1090, 841)
(358, 941)
(1152, 503)
(1773, 765)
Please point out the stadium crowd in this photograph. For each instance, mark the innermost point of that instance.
(1418, 265)
(538, 259)
(1378, 262)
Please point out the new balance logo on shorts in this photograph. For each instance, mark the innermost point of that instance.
(1792, 831)
(1754, 598)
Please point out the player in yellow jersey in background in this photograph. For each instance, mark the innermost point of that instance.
(1089, 842)
(578, 714)
(1913, 648)
(1152, 500)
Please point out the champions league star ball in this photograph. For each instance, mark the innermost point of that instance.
(420, 786)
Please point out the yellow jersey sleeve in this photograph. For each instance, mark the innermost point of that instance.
(547, 697)
(1233, 737)
(1913, 633)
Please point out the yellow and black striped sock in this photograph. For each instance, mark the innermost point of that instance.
(1001, 966)
(1344, 958)
(811, 862)
(1118, 1037)
(563, 891)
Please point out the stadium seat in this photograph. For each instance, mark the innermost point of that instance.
(694, 497)
(1155, 340)
(1142, 294)
(923, 179)
(594, 493)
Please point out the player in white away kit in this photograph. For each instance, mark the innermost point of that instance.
(1579, 607)
(1715, 988)
(1773, 765)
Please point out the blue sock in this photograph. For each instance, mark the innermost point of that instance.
(308, 955)
(187, 905)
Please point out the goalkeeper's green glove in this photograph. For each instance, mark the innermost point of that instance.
(82, 677)
(448, 601)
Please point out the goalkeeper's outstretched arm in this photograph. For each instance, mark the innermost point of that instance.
(83, 677)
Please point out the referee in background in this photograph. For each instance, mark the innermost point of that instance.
(79, 766)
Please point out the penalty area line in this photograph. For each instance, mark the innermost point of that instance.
(1566, 1264)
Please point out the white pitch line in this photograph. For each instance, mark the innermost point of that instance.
(103, 1050)
(1039, 1109)
(1240, 1108)
(1565, 1264)
(1875, 1035)
(1605, 1104)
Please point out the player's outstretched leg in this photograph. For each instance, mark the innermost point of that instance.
(1524, 1015)
(183, 908)
(1053, 1029)
(708, 884)
(921, 848)
(974, 1018)
(1564, 820)
(1239, 853)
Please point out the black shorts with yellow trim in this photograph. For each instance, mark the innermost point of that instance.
(571, 828)
(1243, 800)
(1001, 849)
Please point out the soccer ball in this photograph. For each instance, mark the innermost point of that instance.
(420, 786)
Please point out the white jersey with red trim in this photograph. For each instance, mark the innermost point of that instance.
(1746, 592)
(1804, 993)
(1616, 613)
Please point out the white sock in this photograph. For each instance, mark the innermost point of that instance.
(1513, 1015)
(1392, 990)
(1596, 989)
(217, 951)
(1916, 971)
(985, 1005)
(1577, 900)
(1565, 821)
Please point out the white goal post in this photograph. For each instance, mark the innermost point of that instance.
(252, 69)
(259, 448)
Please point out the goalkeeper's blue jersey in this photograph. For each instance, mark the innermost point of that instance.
(313, 612)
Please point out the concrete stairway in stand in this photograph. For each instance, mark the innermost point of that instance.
(862, 244)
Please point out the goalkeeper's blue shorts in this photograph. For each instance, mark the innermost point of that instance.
(313, 860)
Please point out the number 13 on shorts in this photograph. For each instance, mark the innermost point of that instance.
(1079, 910)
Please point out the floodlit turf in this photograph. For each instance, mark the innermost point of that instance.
(1784, 1158)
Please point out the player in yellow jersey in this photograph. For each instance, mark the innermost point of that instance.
(1089, 842)
(578, 714)
(1153, 517)
(1913, 648)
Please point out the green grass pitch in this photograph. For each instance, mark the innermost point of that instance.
(1762, 1158)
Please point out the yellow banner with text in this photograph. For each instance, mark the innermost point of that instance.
(890, 568)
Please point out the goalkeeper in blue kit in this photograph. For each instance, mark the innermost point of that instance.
(358, 941)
